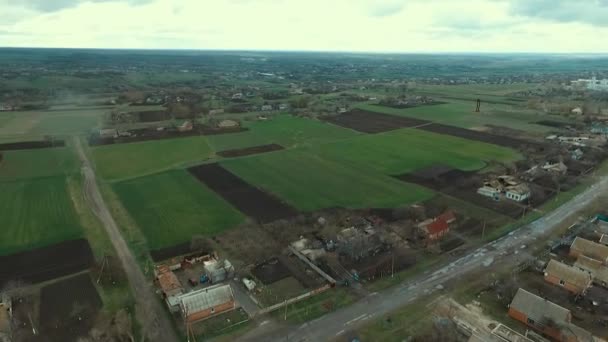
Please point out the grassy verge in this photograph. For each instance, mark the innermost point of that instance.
(225, 326)
(315, 306)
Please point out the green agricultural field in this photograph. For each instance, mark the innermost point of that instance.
(25, 164)
(135, 159)
(309, 182)
(406, 150)
(171, 207)
(35, 213)
(291, 131)
(222, 142)
(40, 123)
(462, 114)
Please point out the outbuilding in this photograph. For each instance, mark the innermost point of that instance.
(595, 268)
(590, 249)
(569, 277)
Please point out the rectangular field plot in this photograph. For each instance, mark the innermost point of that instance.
(309, 182)
(291, 131)
(36, 213)
(46, 263)
(37, 163)
(405, 150)
(248, 199)
(31, 145)
(474, 135)
(131, 160)
(250, 150)
(370, 122)
(171, 207)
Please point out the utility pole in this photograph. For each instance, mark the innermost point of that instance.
(478, 106)
(393, 264)
(483, 230)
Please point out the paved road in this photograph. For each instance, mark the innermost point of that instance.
(508, 250)
(150, 313)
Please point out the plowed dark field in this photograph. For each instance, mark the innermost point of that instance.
(170, 252)
(475, 135)
(68, 308)
(146, 134)
(250, 150)
(31, 145)
(370, 122)
(46, 263)
(250, 200)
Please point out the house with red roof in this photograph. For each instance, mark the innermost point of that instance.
(436, 228)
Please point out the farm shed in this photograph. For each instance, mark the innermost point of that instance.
(590, 249)
(598, 271)
(108, 133)
(218, 271)
(169, 285)
(204, 303)
(570, 278)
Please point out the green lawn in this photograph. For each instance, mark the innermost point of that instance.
(135, 159)
(171, 207)
(406, 150)
(37, 163)
(309, 182)
(35, 213)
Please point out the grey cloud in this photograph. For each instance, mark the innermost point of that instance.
(57, 5)
(594, 12)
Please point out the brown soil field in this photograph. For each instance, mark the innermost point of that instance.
(147, 134)
(46, 263)
(68, 308)
(475, 135)
(153, 115)
(271, 271)
(462, 185)
(250, 200)
(403, 106)
(30, 145)
(370, 122)
(250, 150)
(550, 123)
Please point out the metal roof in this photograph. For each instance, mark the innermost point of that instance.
(537, 308)
(591, 249)
(570, 274)
(595, 267)
(206, 298)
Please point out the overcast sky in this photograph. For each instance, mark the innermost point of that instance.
(328, 25)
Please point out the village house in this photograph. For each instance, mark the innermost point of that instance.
(577, 111)
(169, 285)
(108, 133)
(569, 277)
(216, 111)
(518, 193)
(595, 268)
(435, 229)
(546, 317)
(207, 302)
(228, 124)
(266, 108)
(590, 249)
(187, 126)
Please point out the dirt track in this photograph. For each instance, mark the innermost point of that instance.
(150, 313)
